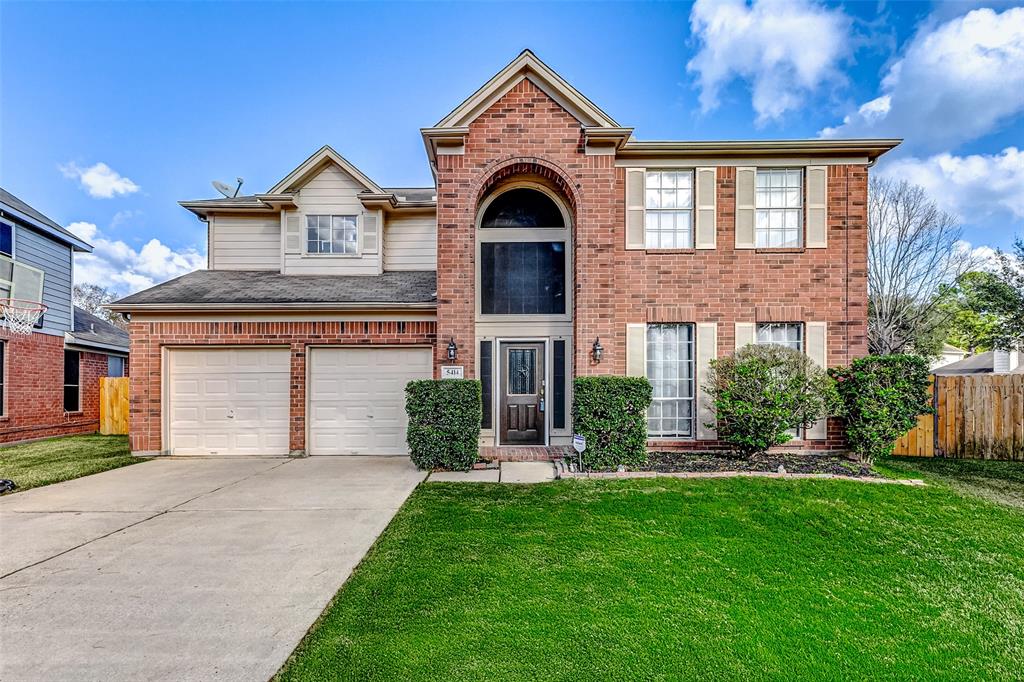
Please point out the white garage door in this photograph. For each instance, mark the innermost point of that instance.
(357, 398)
(228, 401)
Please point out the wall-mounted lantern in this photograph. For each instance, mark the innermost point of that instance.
(453, 350)
(597, 350)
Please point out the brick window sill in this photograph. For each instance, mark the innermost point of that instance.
(789, 250)
(659, 252)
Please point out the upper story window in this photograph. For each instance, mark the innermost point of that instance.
(779, 205)
(6, 239)
(669, 215)
(337, 234)
(522, 207)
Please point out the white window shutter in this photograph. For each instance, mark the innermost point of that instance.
(293, 233)
(707, 350)
(371, 231)
(635, 208)
(746, 179)
(745, 334)
(817, 207)
(706, 215)
(26, 283)
(816, 347)
(636, 350)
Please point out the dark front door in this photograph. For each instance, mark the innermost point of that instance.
(522, 393)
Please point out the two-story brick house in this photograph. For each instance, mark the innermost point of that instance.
(49, 379)
(553, 245)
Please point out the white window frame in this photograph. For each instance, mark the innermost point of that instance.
(658, 401)
(10, 226)
(109, 359)
(770, 327)
(656, 211)
(766, 195)
(331, 242)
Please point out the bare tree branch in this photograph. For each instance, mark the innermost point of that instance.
(915, 252)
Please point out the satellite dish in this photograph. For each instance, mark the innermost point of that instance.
(226, 190)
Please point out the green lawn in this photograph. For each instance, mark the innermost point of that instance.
(1001, 482)
(669, 579)
(60, 459)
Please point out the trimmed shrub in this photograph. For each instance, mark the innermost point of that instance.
(762, 391)
(611, 413)
(444, 422)
(882, 397)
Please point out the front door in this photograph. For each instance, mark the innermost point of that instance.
(522, 394)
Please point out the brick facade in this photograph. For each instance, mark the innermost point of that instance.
(148, 339)
(34, 389)
(526, 134)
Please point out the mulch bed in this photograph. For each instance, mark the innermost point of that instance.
(704, 462)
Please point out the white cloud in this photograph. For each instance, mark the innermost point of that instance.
(955, 81)
(974, 186)
(784, 49)
(99, 180)
(117, 266)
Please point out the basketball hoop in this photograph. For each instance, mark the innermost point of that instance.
(20, 316)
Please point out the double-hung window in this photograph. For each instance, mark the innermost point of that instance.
(72, 374)
(332, 234)
(779, 205)
(2, 385)
(6, 239)
(6, 266)
(788, 334)
(669, 215)
(671, 370)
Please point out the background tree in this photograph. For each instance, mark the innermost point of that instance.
(92, 298)
(1003, 295)
(915, 255)
(972, 320)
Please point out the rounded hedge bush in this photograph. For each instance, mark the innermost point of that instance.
(762, 392)
(882, 397)
(444, 423)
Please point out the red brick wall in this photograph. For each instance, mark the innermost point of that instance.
(34, 389)
(527, 132)
(149, 338)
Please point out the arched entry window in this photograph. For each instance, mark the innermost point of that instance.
(523, 207)
(523, 259)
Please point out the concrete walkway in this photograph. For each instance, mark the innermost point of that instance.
(509, 472)
(184, 569)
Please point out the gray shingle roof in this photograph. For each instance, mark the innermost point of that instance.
(91, 329)
(413, 193)
(982, 363)
(243, 200)
(20, 206)
(248, 287)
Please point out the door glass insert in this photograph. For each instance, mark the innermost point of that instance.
(522, 371)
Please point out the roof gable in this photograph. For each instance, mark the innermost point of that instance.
(528, 66)
(311, 166)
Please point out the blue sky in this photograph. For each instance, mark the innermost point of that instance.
(110, 113)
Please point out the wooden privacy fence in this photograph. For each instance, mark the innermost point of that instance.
(976, 417)
(113, 405)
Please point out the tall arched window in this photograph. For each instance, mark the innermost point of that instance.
(522, 207)
(523, 256)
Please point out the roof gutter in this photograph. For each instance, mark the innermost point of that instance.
(68, 239)
(872, 148)
(268, 305)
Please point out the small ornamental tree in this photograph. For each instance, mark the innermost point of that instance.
(444, 422)
(882, 397)
(611, 413)
(763, 391)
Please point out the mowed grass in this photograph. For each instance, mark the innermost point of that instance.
(673, 579)
(993, 480)
(42, 462)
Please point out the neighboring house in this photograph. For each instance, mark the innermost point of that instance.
(989, 362)
(551, 231)
(49, 380)
(948, 356)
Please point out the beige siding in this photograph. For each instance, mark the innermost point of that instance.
(245, 242)
(410, 242)
(330, 192)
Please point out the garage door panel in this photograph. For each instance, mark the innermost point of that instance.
(357, 398)
(229, 401)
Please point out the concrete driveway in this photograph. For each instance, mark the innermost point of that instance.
(184, 569)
